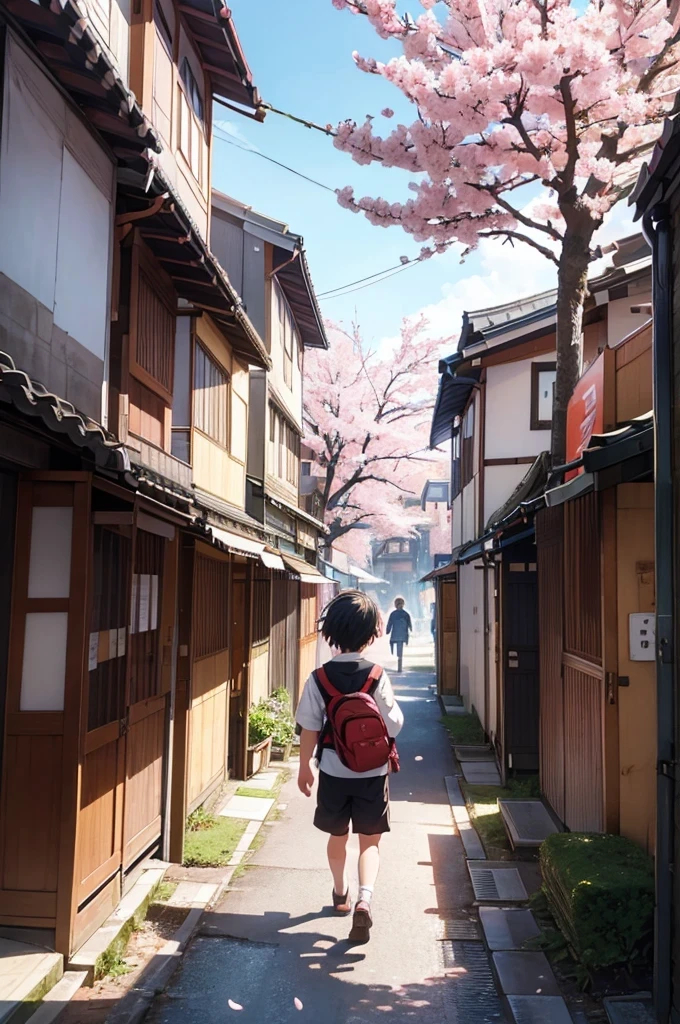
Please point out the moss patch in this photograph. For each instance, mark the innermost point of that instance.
(485, 814)
(262, 794)
(600, 889)
(213, 846)
(464, 729)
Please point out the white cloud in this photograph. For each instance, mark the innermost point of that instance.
(508, 273)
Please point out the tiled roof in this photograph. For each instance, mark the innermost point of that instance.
(68, 44)
(32, 399)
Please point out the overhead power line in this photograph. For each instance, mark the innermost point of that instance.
(371, 277)
(256, 152)
(368, 284)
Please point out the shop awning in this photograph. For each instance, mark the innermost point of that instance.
(236, 544)
(621, 456)
(272, 560)
(530, 487)
(305, 571)
(452, 397)
(363, 576)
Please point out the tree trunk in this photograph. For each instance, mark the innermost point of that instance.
(572, 278)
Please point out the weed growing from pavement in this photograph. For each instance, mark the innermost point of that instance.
(213, 846)
(200, 819)
(464, 729)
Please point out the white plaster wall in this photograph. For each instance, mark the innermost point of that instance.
(499, 483)
(457, 521)
(508, 411)
(469, 525)
(620, 320)
(56, 191)
(471, 584)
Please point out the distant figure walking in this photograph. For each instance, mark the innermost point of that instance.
(399, 626)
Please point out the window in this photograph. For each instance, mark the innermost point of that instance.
(306, 468)
(284, 449)
(162, 27)
(284, 321)
(542, 393)
(211, 397)
(261, 607)
(211, 606)
(456, 480)
(467, 455)
(192, 90)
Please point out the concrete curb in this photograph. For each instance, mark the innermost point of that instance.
(472, 844)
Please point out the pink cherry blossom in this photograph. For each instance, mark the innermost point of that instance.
(513, 97)
(367, 420)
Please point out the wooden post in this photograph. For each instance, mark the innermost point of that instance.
(610, 660)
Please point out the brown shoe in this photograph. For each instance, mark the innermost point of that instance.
(361, 923)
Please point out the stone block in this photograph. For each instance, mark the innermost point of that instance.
(525, 974)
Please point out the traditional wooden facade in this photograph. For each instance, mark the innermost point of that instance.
(496, 393)
(116, 313)
(595, 545)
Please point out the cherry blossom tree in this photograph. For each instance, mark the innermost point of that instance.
(367, 418)
(532, 121)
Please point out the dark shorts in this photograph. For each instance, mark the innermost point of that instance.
(364, 802)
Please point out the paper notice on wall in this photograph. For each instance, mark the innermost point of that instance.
(133, 603)
(144, 602)
(113, 643)
(153, 613)
(121, 642)
(92, 656)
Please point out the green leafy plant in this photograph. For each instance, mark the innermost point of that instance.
(600, 890)
(464, 729)
(199, 820)
(261, 723)
(111, 964)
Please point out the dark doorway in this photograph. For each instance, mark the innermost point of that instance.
(238, 705)
(520, 705)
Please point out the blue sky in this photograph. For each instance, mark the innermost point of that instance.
(300, 53)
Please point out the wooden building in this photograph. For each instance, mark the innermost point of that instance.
(269, 265)
(136, 586)
(596, 565)
(495, 403)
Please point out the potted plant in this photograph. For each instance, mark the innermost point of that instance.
(284, 731)
(261, 726)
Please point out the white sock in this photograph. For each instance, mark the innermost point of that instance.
(365, 893)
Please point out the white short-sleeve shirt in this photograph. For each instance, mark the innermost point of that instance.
(311, 715)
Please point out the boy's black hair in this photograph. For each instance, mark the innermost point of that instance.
(350, 621)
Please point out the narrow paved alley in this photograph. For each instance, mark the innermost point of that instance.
(274, 948)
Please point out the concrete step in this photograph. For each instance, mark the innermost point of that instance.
(507, 928)
(27, 973)
(527, 822)
(481, 773)
(539, 1010)
(116, 930)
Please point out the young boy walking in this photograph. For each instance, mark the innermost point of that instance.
(348, 718)
(399, 626)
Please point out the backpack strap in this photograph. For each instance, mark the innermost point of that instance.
(374, 677)
(324, 683)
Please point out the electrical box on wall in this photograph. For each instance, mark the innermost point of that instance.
(642, 629)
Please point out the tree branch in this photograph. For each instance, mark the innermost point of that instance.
(517, 236)
(547, 229)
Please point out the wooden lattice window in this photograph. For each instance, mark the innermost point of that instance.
(108, 630)
(261, 608)
(145, 617)
(211, 397)
(211, 606)
(152, 324)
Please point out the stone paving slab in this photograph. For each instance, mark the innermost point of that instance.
(26, 973)
(539, 1010)
(630, 1011)
(507, 929)
(527, 822)
(525, 974)
(251, 808)
(481, 773)
(266, 780)
(474, 752)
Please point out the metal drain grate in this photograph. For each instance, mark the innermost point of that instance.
(470, 995)
(449, 931)
(498, 885)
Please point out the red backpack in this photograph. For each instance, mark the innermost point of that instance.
(354, 727)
